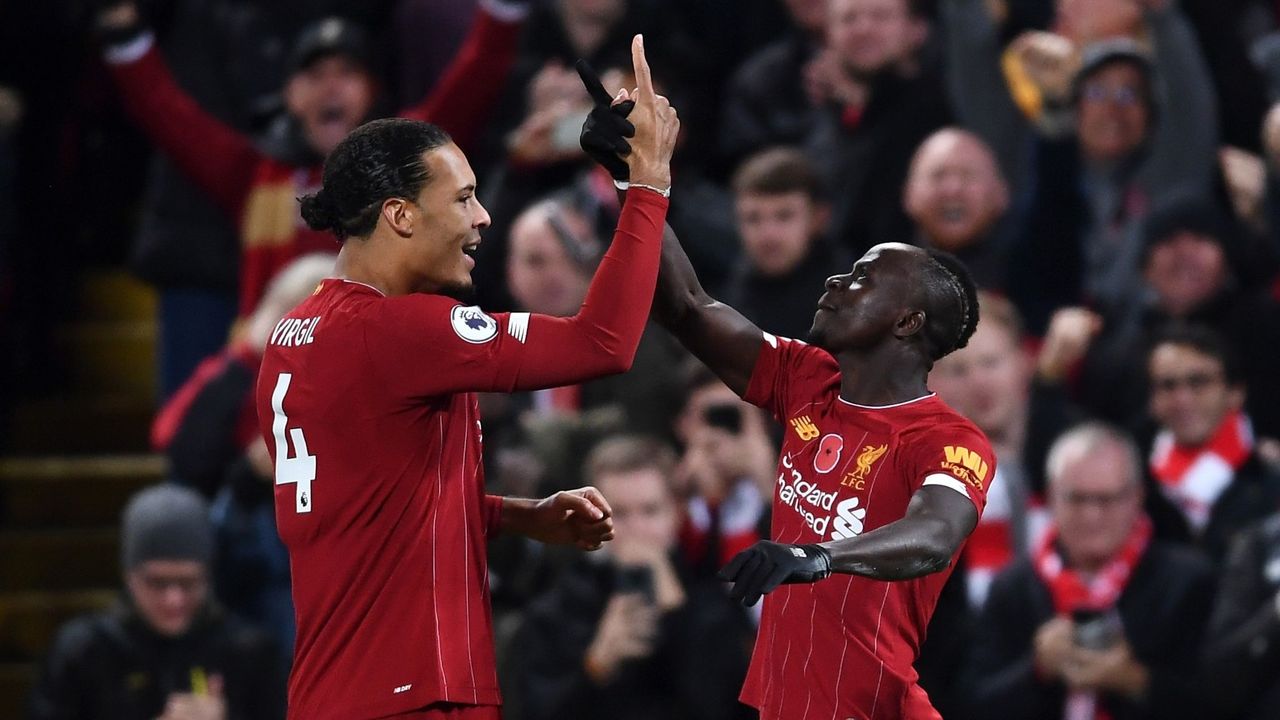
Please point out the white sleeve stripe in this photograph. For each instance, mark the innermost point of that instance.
(518, 325)
(771, 339)
(947, 481)
(131, 51)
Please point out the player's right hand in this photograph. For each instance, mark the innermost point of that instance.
(657, 126)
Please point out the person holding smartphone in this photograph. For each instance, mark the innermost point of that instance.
(1102, 620)
(634, 635)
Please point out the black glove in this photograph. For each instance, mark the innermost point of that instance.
(605, 132)
(761, 568)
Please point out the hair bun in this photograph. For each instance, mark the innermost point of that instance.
(319, 213)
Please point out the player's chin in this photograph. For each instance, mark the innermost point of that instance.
(817, 335)
(461, 289)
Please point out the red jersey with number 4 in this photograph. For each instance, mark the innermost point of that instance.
(843, 648)
(367, 404)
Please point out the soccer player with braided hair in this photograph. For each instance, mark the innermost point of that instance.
(879, 482)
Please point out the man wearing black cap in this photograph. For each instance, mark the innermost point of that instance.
(165, 651)
(329, 92)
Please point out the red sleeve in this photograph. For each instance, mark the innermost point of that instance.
(790, 371)
(169, 418)
(470, 86)
(956, 455)
(218, 159)
(429, 345)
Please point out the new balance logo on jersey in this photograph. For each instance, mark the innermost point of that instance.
(294, 332)
(402, 688)
(848, 521)
(805, 428)
(965, 464)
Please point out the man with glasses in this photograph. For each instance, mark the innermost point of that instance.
(1209, 481)
(165, 651)
(1102, 620)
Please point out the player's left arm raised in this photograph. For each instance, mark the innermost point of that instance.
(940, 515)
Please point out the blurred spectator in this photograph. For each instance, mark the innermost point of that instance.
(166, 651)
(1190, 269)
(767, 102)
(1203, 458)
(329, 92)
(879, 102)
(634, 635)
(209, 432)
(554, 252)
(228, 56)
(958, 200)
(989, 381)
(1242, 647)
(726, 475)
(428, 33)
(786, 260)
(1142, 129)
(1101, 620)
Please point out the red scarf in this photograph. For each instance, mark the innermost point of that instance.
(1193, 477)
(1072, 591)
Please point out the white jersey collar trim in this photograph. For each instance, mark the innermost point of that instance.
(885, 407)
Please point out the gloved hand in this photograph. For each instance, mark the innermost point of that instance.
(605, 132)
(761, 568)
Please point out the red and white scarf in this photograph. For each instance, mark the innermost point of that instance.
(1194, 477)
(1073, 591)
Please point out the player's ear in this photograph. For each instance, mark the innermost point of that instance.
(909, 323)
(398, 213)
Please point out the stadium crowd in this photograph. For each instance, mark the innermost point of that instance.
(1108, 169)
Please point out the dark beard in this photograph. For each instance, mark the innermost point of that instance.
(465, 294)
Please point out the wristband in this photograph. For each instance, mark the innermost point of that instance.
(624, 185)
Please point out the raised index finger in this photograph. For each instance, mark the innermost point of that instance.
(644, 81)
(591, 81)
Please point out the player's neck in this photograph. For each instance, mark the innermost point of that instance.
(360, 263)
(881, 378)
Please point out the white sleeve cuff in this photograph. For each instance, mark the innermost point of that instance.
(947, 481)
(132, 51)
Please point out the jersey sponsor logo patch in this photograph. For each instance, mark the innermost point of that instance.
(806, 497)
(473, 324)
(828, 455)
(965, 465)
(849, 519)
(805, 428)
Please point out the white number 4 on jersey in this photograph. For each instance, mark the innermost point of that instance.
(301, 468)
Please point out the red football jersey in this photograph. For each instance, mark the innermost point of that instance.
(843, 648)
(367, 404)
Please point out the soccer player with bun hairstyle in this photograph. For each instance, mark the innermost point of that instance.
(367, 401)
(879, 482)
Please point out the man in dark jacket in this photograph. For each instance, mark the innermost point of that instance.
(165, 651)
(633, 637)
(1100, 617)
(1210, 482)
(782, 217)
(1242, 650)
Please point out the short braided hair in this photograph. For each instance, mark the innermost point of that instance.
(951, 304)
